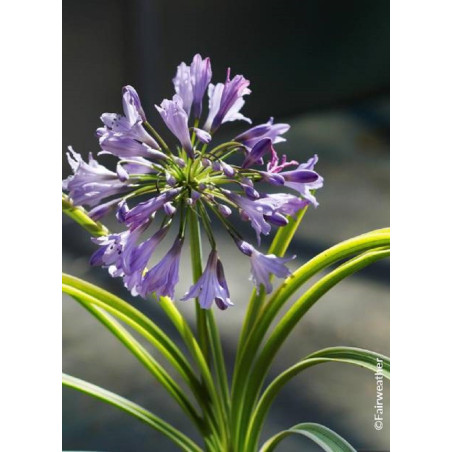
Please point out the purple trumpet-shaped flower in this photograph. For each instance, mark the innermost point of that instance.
(91, 181)
(202, 135)
(128, 127)
(284, 203)
(211, 286)
(131, 105)
(110, 252)
(128, 148)
(201, 73)
(139, 215)
(135, 259)
(191, 83)
(163, 277)
(268, 130)
(267, 210)
(183, 86)
(253, 211)
(261, 148)
(226, 100)
(176, 119)
(310, 183)
(262, 265)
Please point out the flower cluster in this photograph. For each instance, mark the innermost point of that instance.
(190, 178)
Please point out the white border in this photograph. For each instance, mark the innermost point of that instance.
(421, 323)
(30, 37)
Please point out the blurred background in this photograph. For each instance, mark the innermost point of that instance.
(323, 67)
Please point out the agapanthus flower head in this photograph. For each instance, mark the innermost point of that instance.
(156, 185)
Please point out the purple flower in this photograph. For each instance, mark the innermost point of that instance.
(126, 148)
(176, 119)
(135, 259)
(91, 181)
(131, 105)
(163, 277)
(139, 215)
(304, 188)
(283, 203)
(201, 73)
(261, 148)
(192, 175)
(268, 130)
(202, 135)
(211, 286)
(191, 83)
(262, 265)
(110, 252)
(103, 209)
(183, 86)
(129, 126)
(255, 211)
(225, 101)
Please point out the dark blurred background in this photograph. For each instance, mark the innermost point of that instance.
(323, 67)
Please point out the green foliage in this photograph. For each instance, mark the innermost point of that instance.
(229, 417)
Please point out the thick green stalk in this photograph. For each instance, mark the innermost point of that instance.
(252, 385)
(206, 324)
(129, 407)
(187, 335)
(196, 262)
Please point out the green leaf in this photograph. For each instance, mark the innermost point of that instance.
(134, 409)
(136, 320)
(321, 435)
(248, 350)
(278, 247)
(348, 355)
(79, 215)
(251, 383)
(141, 354)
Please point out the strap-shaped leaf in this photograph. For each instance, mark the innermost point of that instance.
(249, 347)
(145, 358)
(250, 385)
(348, 355)
(79, 215)
(323, 436)
(136, 320)
(134, 409)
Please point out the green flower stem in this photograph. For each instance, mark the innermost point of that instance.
(187, 335)
(348, 355)
(196, 263)
(79, 215)
(129, 407)
(227, 145)
(252, 386)
(334, 254)
(207, 329)
(157, 137)
(141, 354)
